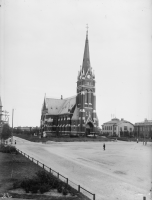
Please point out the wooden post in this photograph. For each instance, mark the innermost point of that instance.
(43, 166)
(37, 162)
(93, 196)
(67, 180)
(50, 169)
(58, 175)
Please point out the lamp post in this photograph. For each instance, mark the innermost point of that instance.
(12, 123)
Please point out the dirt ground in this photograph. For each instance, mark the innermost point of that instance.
(122, 171)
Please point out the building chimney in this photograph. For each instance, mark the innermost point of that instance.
(61, 97)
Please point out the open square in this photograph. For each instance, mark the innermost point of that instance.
(122, 171)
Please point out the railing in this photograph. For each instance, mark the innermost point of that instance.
(59, 176)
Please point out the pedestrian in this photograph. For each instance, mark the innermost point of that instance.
(104, 146)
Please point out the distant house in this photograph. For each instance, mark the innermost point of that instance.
(144, 129)
(117, 127)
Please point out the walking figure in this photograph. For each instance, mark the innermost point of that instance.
(104, 146)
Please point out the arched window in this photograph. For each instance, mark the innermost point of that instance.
(80, 97)
(89, 96)
(86, 96)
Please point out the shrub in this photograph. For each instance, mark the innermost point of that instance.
(34, 188)
(44, 188)
(17, 184)
(44, 177)
(26, 185)
(7, 149)
(56, 184)
(59, 189)
(65, 191)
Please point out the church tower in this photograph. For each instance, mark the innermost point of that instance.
(86, 97)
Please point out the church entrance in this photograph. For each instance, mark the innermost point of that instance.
(89, 128)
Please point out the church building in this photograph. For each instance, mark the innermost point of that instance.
(75, 115)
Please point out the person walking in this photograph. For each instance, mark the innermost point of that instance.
(104, 146)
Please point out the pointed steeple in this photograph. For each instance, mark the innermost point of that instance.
(86, 56)
(44, 109)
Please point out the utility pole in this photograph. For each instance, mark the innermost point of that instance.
(12, 123)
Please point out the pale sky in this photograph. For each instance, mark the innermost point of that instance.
(41, 50)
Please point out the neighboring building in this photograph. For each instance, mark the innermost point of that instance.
(77, 114)
(144, 129)
(117, 127)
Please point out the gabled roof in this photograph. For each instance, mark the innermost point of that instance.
(75, 114)
(59, 106)
(68, 105)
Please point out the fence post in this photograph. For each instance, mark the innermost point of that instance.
(58, 175)
(50, 169)
(43, 166)
(93, 196)
(32, 159)
(28, 156)
(78, 188)
(67, 180)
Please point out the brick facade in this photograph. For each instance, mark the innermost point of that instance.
(75, 115)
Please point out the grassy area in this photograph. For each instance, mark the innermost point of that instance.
(16, 168)
(60, 139)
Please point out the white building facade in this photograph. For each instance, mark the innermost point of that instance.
(116, 127)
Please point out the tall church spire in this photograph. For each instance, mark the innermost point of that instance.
(86, 56)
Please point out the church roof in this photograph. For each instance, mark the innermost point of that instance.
(59, 106)
(75, 114)
(86, 56)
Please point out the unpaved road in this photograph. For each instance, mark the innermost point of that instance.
(123, 171)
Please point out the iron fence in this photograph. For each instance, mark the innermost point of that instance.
(60, 176)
